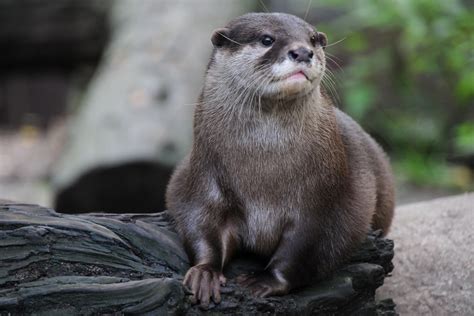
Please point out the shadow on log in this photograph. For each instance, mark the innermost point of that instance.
(60, 264)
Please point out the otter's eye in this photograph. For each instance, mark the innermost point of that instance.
(313, 39)
(267, 40)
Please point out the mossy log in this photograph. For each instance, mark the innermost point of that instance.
(95, 264)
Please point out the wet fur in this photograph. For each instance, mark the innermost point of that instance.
(290, 178)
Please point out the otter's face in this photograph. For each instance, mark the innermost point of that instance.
(272, 55)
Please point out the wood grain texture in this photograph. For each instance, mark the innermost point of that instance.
(53, 263)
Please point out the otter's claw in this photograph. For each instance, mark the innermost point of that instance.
(204, 282)
(263, 285)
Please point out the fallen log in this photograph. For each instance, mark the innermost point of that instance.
(96, 263)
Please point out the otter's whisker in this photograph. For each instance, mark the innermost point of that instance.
(228, 38)
(250, 83)
(307, 9)
(238, 101)
(264, 6)
(334, 62)
(337, 42)
(264, 82)
(331, 85)
(245, 94)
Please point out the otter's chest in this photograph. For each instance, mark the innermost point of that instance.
(270, 188)
(271, 174)
(264, 225)
(268, 171)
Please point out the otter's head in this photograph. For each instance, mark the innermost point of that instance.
(273, 55)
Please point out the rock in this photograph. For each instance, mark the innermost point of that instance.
(434, 262)
(88, 264)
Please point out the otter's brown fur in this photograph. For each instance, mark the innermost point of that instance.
(287, 176)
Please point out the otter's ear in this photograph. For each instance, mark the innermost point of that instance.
(220, 37)
(322, 39)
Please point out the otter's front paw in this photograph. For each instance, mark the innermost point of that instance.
(265, 284)
(204, 282)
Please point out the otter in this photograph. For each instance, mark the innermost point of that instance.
(275, 168)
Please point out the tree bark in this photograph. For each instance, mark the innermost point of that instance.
(61, 264)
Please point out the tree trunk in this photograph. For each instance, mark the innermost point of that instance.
(58, 264)
(135, 119)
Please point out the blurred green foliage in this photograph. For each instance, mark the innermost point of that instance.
(409, 80)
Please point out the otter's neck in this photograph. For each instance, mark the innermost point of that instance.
(263, 122)
(243, 106)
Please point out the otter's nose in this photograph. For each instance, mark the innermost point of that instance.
(301, 54)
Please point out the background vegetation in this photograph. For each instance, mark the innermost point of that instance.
(405, 70)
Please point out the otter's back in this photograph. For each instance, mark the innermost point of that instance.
(367, 157)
